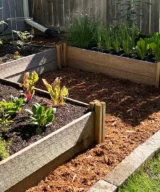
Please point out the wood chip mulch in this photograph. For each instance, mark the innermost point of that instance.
(133, 115)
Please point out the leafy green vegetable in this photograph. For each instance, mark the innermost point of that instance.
(142, 48)
(25, 35)
(56, 93)
(8, 109)
(41, 116)
(154, 45)
(28, 84)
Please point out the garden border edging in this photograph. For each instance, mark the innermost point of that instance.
(129, 165)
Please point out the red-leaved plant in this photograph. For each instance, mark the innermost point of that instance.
(28, 84)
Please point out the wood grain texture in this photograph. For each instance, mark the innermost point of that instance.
(29, 160)
(40, 60)
(115, 66)
(60, 13)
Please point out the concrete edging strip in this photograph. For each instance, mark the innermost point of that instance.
(129, 165)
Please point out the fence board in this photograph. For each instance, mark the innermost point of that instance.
(11, 11)
(60, 13)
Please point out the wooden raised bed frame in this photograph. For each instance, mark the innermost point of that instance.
(33, 163)
(115, 66)
(40, 62)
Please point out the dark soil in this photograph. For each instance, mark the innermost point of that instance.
(133, 115)
(8, 50)
(21, 134)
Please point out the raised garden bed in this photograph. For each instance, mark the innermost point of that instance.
(132, 117)
(116, 66)
(32, 58)
(34, 156)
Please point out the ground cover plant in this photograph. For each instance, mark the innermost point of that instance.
(26, 117)
(123, 39)
(146, 179)
(132, 116)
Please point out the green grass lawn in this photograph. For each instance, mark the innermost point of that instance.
(145, 180)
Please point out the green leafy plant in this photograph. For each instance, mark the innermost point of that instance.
(24, 36)
(2, 23)
(40, 116)
(126, 39)
(107, 38)
(4, 152)
(116, 40)
(142, 48)
(82, 32)
(8, 109)
(28, 84)
(99, 37)
(57, 93)
(155, 47)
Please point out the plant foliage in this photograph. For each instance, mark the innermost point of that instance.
(142, 48)
(41, 116)
(4, 153)
(57, 93)
(82, 32)
(29, 81)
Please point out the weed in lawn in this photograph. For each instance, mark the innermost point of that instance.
(57, 93)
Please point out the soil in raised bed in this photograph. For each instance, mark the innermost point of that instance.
(21, 133)
(8, 50)
(133, 115)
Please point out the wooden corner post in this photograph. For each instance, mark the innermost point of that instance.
(100, 112)
(157, 83)
(59, 55)
(64, 54)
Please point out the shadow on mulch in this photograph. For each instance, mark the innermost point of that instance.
(131, 102)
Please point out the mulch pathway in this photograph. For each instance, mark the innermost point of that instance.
(132, 116)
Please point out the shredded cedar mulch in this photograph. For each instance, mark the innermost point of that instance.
(133, 115)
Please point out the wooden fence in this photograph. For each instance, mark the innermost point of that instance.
(11, 11)
(60, 13)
